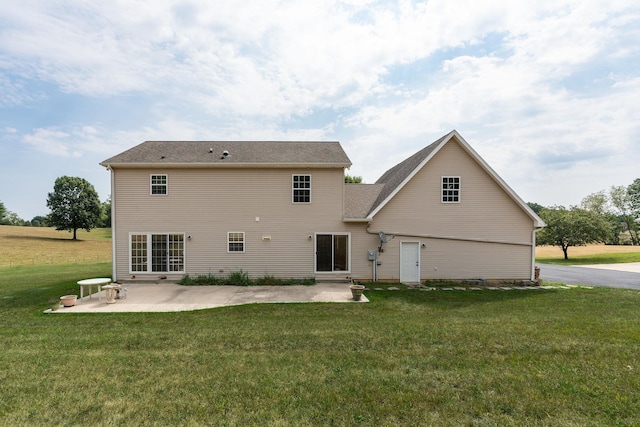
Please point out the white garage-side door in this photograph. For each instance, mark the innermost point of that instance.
(410, 262)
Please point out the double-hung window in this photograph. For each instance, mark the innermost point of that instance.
(159, 184)
(450, 189)
(235, 241)
(156, 253)
(301, 188)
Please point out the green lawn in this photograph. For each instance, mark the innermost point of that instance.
(409, 357)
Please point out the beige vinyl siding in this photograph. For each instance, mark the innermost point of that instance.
(442, 259)
(485, 212)
(206, 204)
(457, 260)
(361, 242)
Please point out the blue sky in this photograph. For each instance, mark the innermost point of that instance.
(547, 92)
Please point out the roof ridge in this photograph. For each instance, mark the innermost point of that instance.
(158, 153)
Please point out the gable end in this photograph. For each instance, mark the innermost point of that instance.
(398, 176)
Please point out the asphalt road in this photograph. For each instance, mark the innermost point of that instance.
(606, 277)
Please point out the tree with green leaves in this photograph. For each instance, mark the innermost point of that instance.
(74, 205)
(40, 221)
(10, 218)
(600, 203)
(536, 207)
(348, 179)
(621, 200)
(596, 202)
(3, 213)
(572, 227)
(633, 191)
(14, 219)
(105, 216)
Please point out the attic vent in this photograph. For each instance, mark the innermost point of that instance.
(211, 150)
(225, 153)
(162, 157)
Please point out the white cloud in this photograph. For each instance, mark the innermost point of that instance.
(272, 58)
(74, 141)
(50, 141)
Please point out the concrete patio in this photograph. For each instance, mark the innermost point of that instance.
(166, 297)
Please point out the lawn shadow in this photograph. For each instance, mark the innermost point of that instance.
(44, 238)
(38, 297)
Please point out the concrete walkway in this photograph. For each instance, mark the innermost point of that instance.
(165, 297)
(630, 267)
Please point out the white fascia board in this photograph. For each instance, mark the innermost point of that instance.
(227, 165)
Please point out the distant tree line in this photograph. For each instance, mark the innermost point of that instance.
(348, 179)
(609, 216)
(74, 201)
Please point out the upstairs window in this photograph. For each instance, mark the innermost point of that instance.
(301, 189)
(450, 189)
(235, 241)
(158, 184)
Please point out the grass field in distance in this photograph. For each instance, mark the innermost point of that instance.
(44, 245)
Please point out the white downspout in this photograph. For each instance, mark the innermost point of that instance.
(533, 253)
(113, 227)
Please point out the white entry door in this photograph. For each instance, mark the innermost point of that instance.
(409, 262)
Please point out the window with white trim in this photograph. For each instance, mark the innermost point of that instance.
(156, 253)
(450, 189)
(332, 252)
(159, 184)
(235, 241)
(139, 254)
(301, 188)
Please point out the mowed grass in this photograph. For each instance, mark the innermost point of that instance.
(21, 246)
(589, 254)
(408, 357)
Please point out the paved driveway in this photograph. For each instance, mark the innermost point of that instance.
(607, 275)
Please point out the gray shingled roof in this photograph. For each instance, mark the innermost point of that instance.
(359, 199)
(239, 153)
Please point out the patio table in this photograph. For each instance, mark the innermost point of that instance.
(93, 282)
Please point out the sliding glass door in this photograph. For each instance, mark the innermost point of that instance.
(332, 252)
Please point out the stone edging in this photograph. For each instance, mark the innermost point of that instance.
(488, 288)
